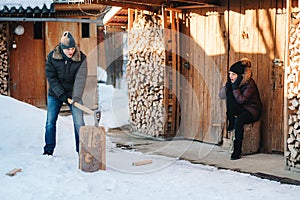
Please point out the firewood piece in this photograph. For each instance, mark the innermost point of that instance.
(143, 162)
(13, 172)
(92, 156)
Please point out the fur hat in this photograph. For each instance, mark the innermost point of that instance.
(238, 67)
(246, 61)
(67, 40)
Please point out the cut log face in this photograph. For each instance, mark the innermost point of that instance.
(292, 153)
(145, 76)
(92, 154)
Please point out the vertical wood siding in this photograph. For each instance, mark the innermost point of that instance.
(253, 29)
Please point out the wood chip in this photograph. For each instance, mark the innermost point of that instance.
(13, 172)
(143, 162)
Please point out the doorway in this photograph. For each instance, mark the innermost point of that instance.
(27, 63)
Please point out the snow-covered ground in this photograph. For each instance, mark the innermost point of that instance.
(58, 177)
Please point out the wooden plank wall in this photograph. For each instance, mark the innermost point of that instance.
(252, 29)
(208, 65)
(88, 46)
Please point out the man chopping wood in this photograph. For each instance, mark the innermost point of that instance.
(66, 72)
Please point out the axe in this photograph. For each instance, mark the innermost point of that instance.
(96, 113)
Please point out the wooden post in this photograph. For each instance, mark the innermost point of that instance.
(92, 154)
(130, 18)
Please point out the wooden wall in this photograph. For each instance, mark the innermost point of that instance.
(221, 36)
(88, 46)
(207, 47)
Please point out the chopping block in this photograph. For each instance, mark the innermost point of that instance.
(92, 154)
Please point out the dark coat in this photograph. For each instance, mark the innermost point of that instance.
(66, 75)
(248, 95)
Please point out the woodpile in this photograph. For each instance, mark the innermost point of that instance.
(4, 74)
(145, 76)
(293, 93)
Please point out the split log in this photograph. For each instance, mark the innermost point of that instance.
(13, 172)
(92, 154)
(143, 162)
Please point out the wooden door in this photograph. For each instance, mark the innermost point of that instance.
(27, 66)
(257, 31)
(207, 47)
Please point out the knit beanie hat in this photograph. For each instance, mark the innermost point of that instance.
(67, 40)
(238, 68)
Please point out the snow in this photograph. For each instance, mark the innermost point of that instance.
(25, 3)
(58, 176)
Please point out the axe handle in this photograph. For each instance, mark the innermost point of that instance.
(81, 107)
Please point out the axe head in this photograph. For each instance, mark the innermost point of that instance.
(97, 117)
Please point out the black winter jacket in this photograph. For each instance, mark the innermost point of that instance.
(66, 75)
(247, 95)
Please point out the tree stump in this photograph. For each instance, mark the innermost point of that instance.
(92, 154)
(251, 141)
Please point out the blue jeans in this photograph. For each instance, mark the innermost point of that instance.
(54, 106)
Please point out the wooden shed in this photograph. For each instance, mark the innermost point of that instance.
(208, 37)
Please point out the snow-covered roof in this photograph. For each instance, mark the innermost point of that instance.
(26, 6)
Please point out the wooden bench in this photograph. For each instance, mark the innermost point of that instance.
(251, 141)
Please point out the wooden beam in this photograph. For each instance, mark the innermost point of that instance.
(116, 24)
(130, 18)
(212, 2)
(195, 6)
(72, 7)
(140, 2)
(150, 5)
(124, 4)
(120, 17)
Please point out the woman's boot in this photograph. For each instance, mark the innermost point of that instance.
(237, 150)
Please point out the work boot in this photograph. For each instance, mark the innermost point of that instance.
(231, 135)
(48, 153)
(237, 150)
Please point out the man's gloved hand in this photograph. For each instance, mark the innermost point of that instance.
(76, 99)
(64, 98)
(237, 82)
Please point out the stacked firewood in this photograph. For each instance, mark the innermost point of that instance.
(4, 75)
(293, 93)
(145, 76)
